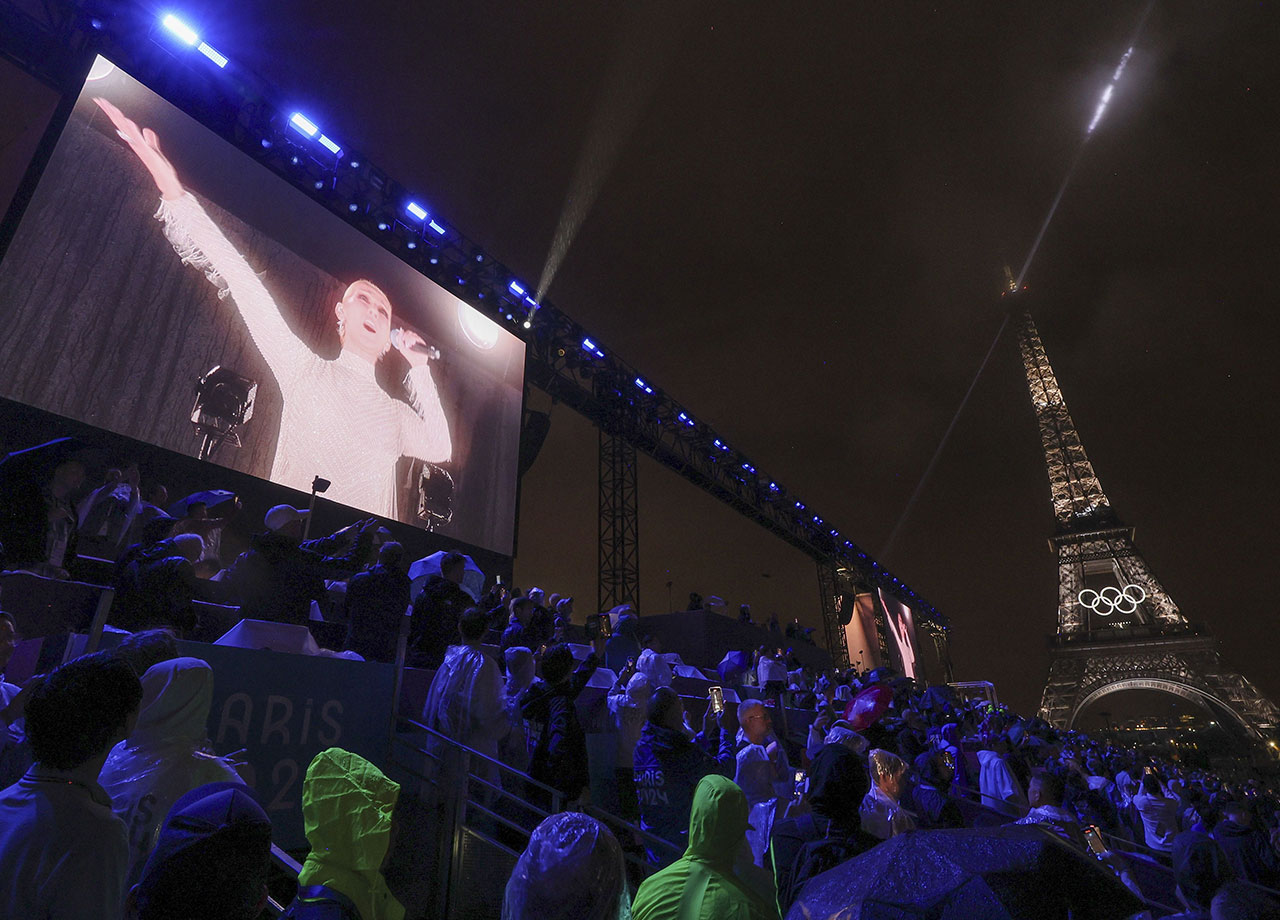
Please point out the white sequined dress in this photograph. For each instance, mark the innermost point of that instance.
(337, 422)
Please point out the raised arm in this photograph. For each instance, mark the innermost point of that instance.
(199, 242)
(424, 430)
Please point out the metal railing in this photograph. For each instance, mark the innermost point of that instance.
(474, 815)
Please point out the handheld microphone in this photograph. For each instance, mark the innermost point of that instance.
(397, 342)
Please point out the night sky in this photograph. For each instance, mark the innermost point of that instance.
(801, 239)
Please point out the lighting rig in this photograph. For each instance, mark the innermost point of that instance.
(171, 56)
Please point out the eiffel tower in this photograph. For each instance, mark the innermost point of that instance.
(1118, 629)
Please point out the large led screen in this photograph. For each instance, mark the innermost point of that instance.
(154, 252)
(903, 644)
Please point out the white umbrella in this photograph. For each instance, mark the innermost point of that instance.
(424, 568)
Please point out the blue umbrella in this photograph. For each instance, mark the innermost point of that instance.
(211, 498)
(1017, 872)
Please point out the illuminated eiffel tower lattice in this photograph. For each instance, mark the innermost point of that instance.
(1118, 629)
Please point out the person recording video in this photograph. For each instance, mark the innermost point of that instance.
(336, 417)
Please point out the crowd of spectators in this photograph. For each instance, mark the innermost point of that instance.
(114, 802)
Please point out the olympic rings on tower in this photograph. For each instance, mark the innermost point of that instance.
(1112, 599)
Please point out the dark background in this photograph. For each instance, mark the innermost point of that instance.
(801, 240)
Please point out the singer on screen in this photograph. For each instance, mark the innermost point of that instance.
(336, 420)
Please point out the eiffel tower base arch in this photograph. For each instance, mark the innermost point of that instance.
(1084, 670)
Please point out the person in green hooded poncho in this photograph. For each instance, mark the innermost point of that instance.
(347, 805)
(701, 885)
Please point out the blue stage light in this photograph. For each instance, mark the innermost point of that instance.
(329, 145)
(817, 520)
(644, 386)
(774, 487)
(749, 468)
(303, 124)
(416, 210)
(528, 324)
(212, 55)
(687, 420)
(799, 506)
(436, 227)
(266, 143)
(355, 164)
(516, 289)
(353, 207)
(411, 244)
(319, 184)
(434, 260)
(720, 444)
(383, 225)
(184, 32)
(592, 347)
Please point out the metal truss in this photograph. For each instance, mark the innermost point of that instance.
(829, 590)
(619, 543)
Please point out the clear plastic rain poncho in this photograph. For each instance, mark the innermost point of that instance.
(571, 870)
(882, 815)
(654, 667)
(466, 700)
(166, 755)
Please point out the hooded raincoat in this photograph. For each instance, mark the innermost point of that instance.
(701, 885)
(346, 809)
(466, 701)
(166, 756)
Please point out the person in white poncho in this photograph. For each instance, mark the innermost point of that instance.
(165, 756)
(336, 417)
(466, 701)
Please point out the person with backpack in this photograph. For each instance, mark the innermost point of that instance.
(808, 844)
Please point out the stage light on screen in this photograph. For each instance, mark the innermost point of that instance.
(100, 68)
(211, 54)
(416, 210)
(303, 124)
(480, 331)
(180, 29)
(330, 146)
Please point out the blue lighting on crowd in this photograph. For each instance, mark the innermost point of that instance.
(304, 124)
(436, 227)
(416, 210)
(644, 386)
(516, 289)
(180, 29)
